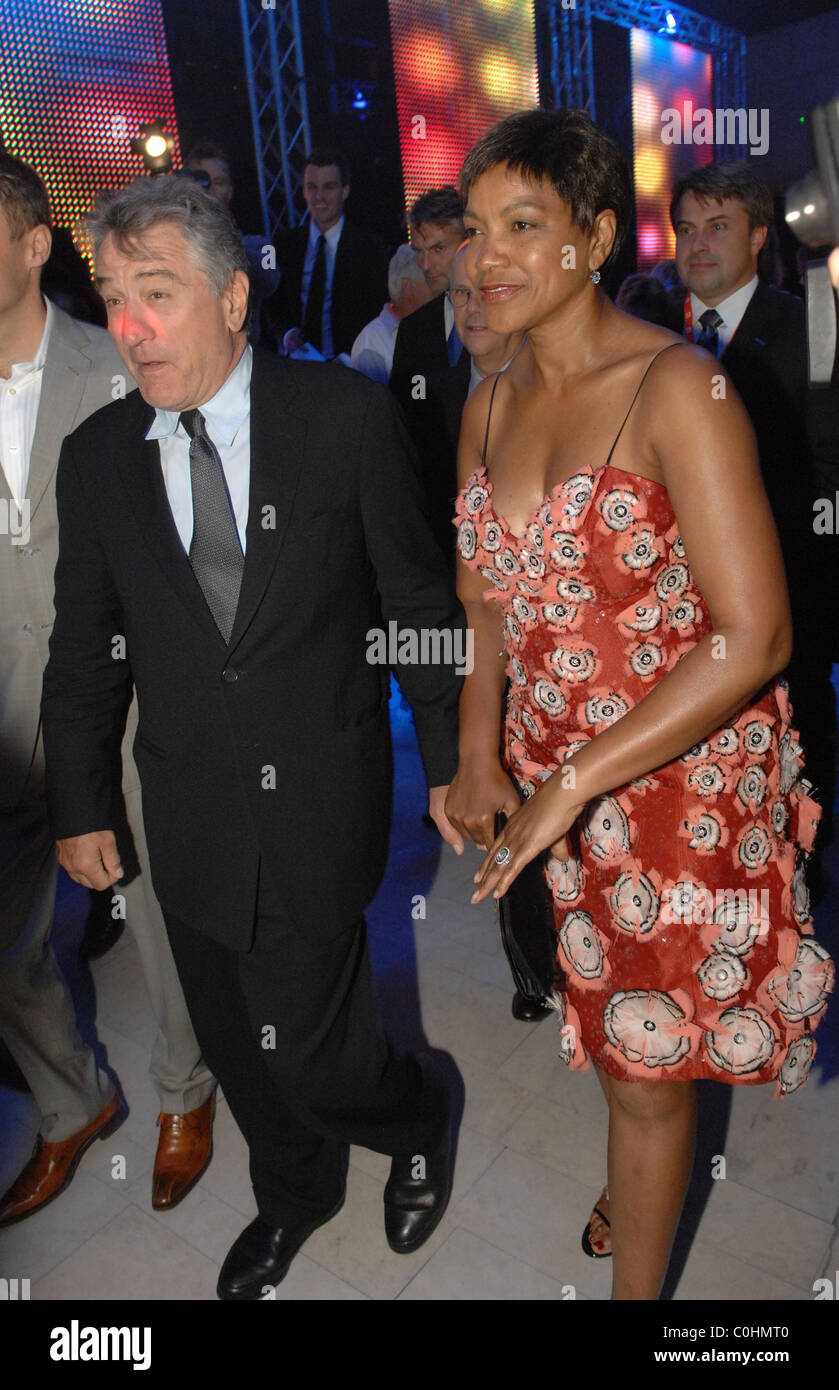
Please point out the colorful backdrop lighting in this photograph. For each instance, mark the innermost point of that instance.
(78, 78)
(664, 75)
(459, 68)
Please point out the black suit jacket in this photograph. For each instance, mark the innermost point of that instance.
(432, 394)
(277, 744)
(359, 285)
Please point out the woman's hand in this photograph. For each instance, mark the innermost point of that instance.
(480, 789)
(542, 821)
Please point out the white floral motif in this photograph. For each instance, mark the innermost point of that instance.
(646, 659)
(800, 894)
(682, 615)
(506, 562)
(672, 582)
(534, 568)
(548, 697)
(795, 1068)
(803, 989)
(757, 736)
(494, 578)
(617, 508)
(705, 832)
(475, 498)
(644, 618)
(530, 724)
(574, 591)
(605, 709)
(754, 847)
(726, 743)
(740, 925)
(789, 752)
(574, 665)
(635, 904)
(581, 944)
(699, 750)
(751, 789)
(536, 536)
(645, 1025)
(569, 551)
(467, 540)
(722, 975)
(565, 877)
(492, 536)
(707, 779)
(519, 673)
(643, 551)
(606, 829)
(513, 628)
(561, 615)
(578, 491)
(524, 611)
(779, 816)
(742, 1042)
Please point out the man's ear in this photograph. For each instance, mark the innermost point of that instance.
(235, 295)
(40, 245)
(757, 239)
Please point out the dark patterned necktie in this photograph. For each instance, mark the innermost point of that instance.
(313, 317)
(215, 551)
(709, 337)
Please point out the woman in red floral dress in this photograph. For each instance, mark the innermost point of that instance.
(620, 569)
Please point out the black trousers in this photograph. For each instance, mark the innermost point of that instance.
(291, 1030)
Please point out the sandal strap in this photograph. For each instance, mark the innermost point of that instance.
(603, 1217)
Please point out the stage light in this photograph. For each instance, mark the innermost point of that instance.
(156, 146)
(359, 102)
(670, 21)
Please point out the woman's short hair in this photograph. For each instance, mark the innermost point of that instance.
(565, 148)
(128, 213)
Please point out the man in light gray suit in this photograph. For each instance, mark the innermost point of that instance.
(54, 373)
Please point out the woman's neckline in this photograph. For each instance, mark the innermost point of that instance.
(586, 469)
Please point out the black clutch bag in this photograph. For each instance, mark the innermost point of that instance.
(528, 933)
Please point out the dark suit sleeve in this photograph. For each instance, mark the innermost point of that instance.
(87, 682)
(414, 587)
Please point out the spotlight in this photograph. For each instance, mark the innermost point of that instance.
(670, 22)
(156, 146)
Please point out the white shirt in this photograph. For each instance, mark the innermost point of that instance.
(228, 424)
(372, 351)
(731, 312)
(476, 377)
(20, 398)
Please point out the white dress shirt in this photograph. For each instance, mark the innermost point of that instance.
(731, 312)
(20, 397)
(228, 424)
(372, 351)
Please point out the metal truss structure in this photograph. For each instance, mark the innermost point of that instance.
(571, 48)
(279, 108)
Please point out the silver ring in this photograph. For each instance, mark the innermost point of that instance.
(503, 855)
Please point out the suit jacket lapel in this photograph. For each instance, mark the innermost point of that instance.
(750, 336)
(278, 439)
(62, 388)
(139, 463)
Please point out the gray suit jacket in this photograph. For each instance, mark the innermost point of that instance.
(82, 373)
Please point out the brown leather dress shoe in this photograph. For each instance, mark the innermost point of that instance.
(51, 1167)
(184, 1149)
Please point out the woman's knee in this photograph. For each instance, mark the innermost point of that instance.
(650, 1101)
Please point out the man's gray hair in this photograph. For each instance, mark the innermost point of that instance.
(403, 266)
(129, 212)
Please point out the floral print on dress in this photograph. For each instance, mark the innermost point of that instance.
(682, 912)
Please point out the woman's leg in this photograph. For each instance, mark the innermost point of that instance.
(600, 1236)
(652, 1135)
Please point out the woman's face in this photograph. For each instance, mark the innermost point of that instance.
(526, 256)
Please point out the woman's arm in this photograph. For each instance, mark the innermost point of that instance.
(705, 447)
(481, 787)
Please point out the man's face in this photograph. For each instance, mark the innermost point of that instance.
(221, 185)
(480, 341)
(325, 194)
(436, 247)
(20, 258)
(716, 253)
(175, 337)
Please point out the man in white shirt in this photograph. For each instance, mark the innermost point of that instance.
(54, 373)
(489, 350)
(372, 351)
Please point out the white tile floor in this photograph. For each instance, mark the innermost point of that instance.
(531, 1156)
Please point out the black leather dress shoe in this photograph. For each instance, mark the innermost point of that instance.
(414, 1205)
(261, 1256)
(528, 1010)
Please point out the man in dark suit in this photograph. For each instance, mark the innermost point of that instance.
(333, 275)
(248, 524)
(721, 214)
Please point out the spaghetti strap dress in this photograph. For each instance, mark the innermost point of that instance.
(685, 944)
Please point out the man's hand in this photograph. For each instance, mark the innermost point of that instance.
(91, 860)
(437, 812)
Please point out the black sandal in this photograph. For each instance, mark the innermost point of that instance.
(588, 1248)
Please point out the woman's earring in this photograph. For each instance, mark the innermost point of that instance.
(594, 276)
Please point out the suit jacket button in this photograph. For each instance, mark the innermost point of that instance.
(230, 674)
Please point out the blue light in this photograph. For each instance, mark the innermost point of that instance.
(670, 21)
(359, 101)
